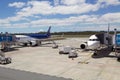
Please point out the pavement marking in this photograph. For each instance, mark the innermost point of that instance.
(86, 60)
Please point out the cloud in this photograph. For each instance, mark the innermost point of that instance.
(12, 19)
(15, 25)
(3, 21)
(73, 2)
(56, 2)
(36, 7)
(108, 2)
(97, 27)
(17, 4)
(71, 21)
(45, 8)
(68, 7)
(41, 30)
(78, 7)
(110, 17)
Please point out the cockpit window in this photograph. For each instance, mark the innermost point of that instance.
(93, 39)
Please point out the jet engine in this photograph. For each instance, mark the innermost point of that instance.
(83, 45)
(33, 43)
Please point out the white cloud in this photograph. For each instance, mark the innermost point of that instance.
(75, 9)
(109, 2)
(73, 2)
(17, 4)
(85, 19)
(68, 7)
(12, 19)
(45, 8)
(54, 22)
(3, 21)
(110, 17)
(56, 2)
(34, 8)
(97, 27)
(41, 30)
(15, 25)
(71, 21)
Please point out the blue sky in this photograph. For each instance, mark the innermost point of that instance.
(62, 15)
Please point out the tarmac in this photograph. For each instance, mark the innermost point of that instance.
(11, 74)
(45, 60)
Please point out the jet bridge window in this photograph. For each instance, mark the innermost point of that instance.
(93, 39)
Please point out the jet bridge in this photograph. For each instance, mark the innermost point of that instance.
(116, 43)
(105, 38)
(118, 40)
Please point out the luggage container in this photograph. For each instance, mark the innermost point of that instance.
(72, 54)
(65, 49)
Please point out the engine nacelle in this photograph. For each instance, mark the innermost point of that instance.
(84, 45)
(33, 43)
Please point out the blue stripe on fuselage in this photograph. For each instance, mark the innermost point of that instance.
(39, 36)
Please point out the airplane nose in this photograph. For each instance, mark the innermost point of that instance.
(90, 45)
(93, 44)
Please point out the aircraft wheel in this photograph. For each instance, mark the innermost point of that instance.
(8, 60)
(112, 49)
(25, 44)
(54, 47)
(40, 42)
(36, 44)
(118, 59)
(95, 54)
(60, 52)
(30, 43)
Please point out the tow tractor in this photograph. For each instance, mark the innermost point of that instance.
(72, 52)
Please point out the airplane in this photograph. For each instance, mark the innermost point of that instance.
(32, 39)
(97, 41)
(100, 41)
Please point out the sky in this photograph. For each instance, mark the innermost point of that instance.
(17, 16)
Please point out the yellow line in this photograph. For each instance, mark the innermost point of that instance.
(85, 61)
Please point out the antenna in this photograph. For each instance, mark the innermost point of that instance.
(115, 45)
(108, 28)
(108, 35)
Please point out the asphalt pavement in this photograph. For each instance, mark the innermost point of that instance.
(11, 74)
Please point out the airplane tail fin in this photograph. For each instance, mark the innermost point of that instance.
(48, 32)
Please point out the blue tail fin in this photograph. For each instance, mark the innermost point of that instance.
(48, 32)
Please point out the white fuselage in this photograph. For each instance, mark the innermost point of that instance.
(33, 38)
(93, 42)
(23, 38)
